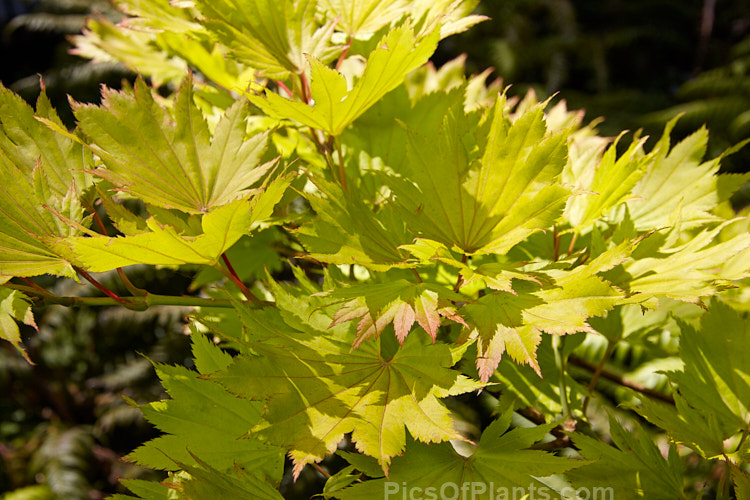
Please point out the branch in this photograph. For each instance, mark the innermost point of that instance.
(619, 379)
(139, 301)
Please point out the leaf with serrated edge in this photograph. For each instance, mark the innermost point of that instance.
(173, 161)
(41, 181)
(636, 470)
(14, 306)
(271, 36)
(514, 323)
(317, 389)
(484, 184)
(335, 107)
(189, 421)
(677, 182)
(400, 302)
(501, 462)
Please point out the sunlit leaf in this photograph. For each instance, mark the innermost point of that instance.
(335, 106)
(172, 160)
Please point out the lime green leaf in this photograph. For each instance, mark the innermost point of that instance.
(159, 15)
(204, 420)
(41, 183)
(452, 16)
(635, 469)
(250, 257)
(316, 389)
(163, 244)
(173, 162)
(272, 36)
(168, 245)
(207, 356)
(104, 42)
(689, 271)
(359, 19)
(400, 303)
(14, 306)
(514, 322)
(500, 464)
(605, 184)
(208, 482)
(27, 143)
(678, 186)
(483, 185)
(335, 106)
(495, 275)
(331, 236)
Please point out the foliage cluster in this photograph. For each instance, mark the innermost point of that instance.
(384, 247)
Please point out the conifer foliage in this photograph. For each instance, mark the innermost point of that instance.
(427, 241)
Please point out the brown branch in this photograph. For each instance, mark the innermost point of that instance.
(619, 379)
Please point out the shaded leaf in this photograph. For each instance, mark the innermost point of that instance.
(635, 469)
(317, 389)
(191, 422)
(500, 464)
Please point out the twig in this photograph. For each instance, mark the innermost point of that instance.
(36, 287)
(561, 362)
(349, 41)
(416, 273)
(232, 275)
(619, 379)
(597, 373)
(284, 88)
(321, 470)
(149, 300)
(101, 287)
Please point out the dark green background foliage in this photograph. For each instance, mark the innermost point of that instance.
(64, 423)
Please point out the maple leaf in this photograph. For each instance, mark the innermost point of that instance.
(104, 42)
(173, 161)
(606, 182)
(501, 462)
(41, 185)
(316, 389)
(167, 244)
(335, 105)
(359, 19)
(190, 419)
(331, 235)
(495, 275)
(714, 387)
(635, 469)
(484, 184)
(400, 303)
(14, 306)
(687, 271)
(271, 36)
(677, 185)
(513, 323)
